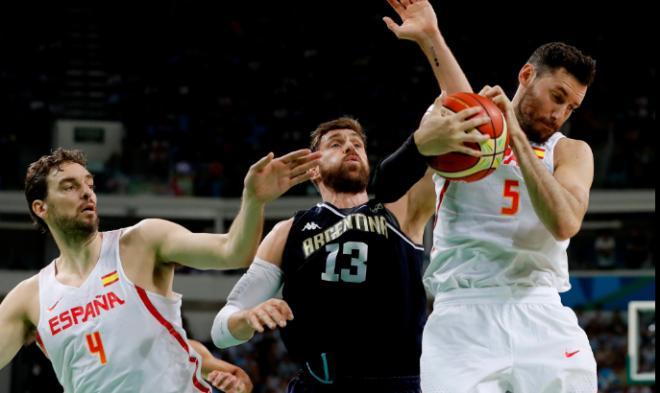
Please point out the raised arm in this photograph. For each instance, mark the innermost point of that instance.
(266, 180)
(420, 24)
(16, 323)
(438, 133)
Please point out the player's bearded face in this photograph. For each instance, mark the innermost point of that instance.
(530, 116)
(71, 201)
(73, 225)
(346, 177)
(344, 166)
(547, 102)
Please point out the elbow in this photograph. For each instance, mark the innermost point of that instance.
(220, 332)
(565, 229)
(216, 334)
(243, 261)
(231, 257)
(234, 262)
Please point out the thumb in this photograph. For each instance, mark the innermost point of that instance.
(394, 28)
(259, 165)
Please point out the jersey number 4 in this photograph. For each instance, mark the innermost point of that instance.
(356, 273)
(95, 346)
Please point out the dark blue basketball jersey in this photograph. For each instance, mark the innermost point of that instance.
(354, 283)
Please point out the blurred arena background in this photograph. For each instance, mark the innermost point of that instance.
(174, 100)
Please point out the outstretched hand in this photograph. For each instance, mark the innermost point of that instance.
(271, 177)
(417, 17)
(441, 131)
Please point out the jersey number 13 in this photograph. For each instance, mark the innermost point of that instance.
(358, 251)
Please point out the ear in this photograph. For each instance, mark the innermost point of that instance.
(316, 174)
(40, 208)
(526, 75)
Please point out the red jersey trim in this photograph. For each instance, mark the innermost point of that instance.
(445, 186)
(154, 312)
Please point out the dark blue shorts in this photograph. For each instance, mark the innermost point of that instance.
(303, 384)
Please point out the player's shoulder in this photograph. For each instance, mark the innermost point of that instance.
(24, 293)
(272, 247)
(282, 228)
(147, 225)
(569, 148)
(29, 286)
(567, 142)
(146, 230)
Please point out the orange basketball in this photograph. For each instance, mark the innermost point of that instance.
(460, 166)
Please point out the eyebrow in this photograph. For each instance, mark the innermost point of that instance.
(565, 93)
(73, 179)
(353, 134)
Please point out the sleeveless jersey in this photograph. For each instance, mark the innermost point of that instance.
(487, 233)
(353, 282)
(110, 335)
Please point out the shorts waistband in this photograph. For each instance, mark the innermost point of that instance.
(499, 295)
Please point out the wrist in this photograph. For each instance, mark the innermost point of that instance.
(420, 139)
(518, 140)
(243, 328)
(250, 201)
(431, 38)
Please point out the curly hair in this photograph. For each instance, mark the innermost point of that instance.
(555, 55)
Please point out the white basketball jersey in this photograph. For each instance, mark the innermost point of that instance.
(110, 335)
(487, 233)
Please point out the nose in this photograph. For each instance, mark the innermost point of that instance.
(87, 191)
(554, 115)
(560, 112)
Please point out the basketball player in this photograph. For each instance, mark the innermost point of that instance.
(104, 311)
(499, 257)
(350, 268)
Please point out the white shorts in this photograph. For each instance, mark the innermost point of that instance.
(495, 340)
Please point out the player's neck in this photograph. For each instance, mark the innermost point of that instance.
(344, 200)
(78, 255)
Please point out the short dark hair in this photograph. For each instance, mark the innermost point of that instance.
(342, 123)
(555, 55)
(36, 185)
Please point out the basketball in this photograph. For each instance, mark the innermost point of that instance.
(462, 167)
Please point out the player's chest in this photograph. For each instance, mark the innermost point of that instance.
(345, 253)
(87, 309)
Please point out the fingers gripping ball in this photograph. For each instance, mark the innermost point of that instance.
(459, 166)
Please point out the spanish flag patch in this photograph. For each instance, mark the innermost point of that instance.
(110, 278)
(540, 152)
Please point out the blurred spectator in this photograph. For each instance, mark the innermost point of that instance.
(636, 249)
(223, 92)
(605, 247)
(181, 181)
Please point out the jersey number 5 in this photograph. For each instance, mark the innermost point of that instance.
(511, 192)
(359, 262)
(95, 346)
